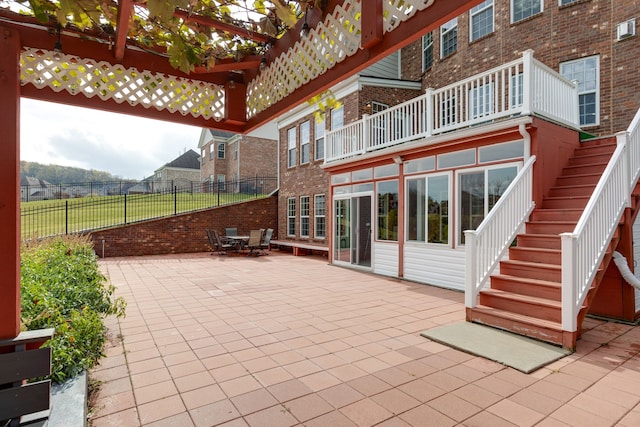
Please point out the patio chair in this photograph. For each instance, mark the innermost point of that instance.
(266, 241)
(255, 238)
(231, 231)
(216, 242)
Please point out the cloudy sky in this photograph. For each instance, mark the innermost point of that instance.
(126, 146)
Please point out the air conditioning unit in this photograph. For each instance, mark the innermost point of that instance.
(626, 29)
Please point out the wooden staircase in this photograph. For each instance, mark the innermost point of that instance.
(525, 297)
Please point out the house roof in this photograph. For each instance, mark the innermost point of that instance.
(188, 160)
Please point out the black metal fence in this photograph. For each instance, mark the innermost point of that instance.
(65, 209)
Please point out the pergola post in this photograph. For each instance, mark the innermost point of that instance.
(10, 179)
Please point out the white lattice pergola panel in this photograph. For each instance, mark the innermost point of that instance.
(59, 72)
(329, 43)
(397, 11)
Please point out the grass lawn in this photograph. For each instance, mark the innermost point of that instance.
(66, 216)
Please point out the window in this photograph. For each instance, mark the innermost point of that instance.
(565, 2)
(388, 210)
(448, 111)
(379, 124)
(319, 138)
(291, 216)
(428, 209)
(319, 216)
(481, 100)
(291, 137)
(337, 118)
(516, 88)
(480, 190)
(587, 72)
(304, 216)
(481, 20)
(221, 146)
(427, 51)
(235, 150)
(203, 156)
(305, 143)
(221, 181)
(449, 38)
(211, 151)
(523, 9)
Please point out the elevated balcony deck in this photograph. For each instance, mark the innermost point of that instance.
(522, 87)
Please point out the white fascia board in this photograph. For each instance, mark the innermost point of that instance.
(390, 83)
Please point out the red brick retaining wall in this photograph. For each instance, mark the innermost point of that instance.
(186, 232)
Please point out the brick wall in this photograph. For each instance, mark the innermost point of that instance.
(185, 233)
(558, 34)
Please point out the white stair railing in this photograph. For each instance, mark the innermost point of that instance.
(584, 248)
(485, 246)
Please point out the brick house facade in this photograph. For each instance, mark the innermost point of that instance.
(561, 32)
(229, 157)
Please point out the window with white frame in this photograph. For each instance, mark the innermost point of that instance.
(235, 150)
(586, 71)
(291, 216)
(565, 2)
(516, 90)
(221, 147)
(319, 138)
(523, 9)
(479, 191)
(449, 38)
(428, 209)
(448, 109)
(320, 227)
(211, 151)
(379, 124)
(337, 117)
(304, 216)
(291, 138)
(387, 195)
(427, 51)
(203, 156)
(481, 20)
(481, 100)
(221, 182)
(305, 142)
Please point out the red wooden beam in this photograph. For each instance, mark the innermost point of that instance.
(10, 48)
(372, 31)
(125, 7)
(223, 26)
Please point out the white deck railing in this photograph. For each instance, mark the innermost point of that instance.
(485, 246)
(584, 248)
(522, 87)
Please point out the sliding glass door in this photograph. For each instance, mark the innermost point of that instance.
(352, 230)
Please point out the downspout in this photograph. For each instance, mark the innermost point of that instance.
(625, 271)
(527, 141)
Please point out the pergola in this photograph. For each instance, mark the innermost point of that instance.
(229, 65)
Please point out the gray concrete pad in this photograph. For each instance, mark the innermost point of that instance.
(521, 353)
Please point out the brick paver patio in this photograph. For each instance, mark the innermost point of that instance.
(280, 341)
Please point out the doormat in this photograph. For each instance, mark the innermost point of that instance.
(519, 352)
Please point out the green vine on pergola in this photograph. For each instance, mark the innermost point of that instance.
(178, 28)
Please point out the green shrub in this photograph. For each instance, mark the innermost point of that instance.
(63, 288)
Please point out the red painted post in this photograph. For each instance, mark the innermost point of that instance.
(10, 179)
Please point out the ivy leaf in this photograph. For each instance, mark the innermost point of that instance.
(39, 10)
(163, 9)
(285, 13)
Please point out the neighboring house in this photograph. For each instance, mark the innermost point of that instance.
(399, 188)
(32, 189)
(180, 172)
(227, 156)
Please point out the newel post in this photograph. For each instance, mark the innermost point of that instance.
(429, 112)
(470, 269)
(622, 139)
(527, 82)
(569, 287)
(366, 133)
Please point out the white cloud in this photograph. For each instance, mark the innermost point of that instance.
(126, 146)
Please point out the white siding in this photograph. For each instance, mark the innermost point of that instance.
(385, 260)
(388, 67)
(434, 265)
